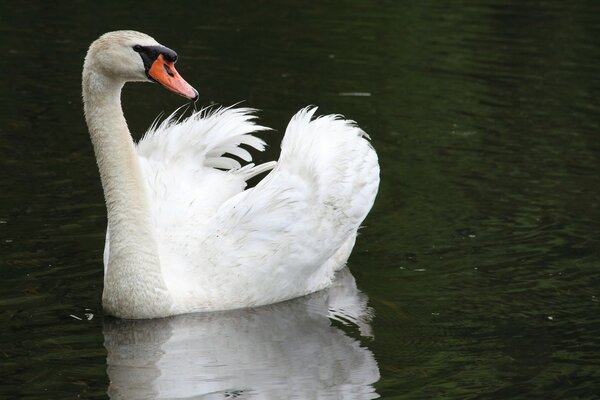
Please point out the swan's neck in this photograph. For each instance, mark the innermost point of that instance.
(133, 279)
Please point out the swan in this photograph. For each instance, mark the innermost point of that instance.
(184, 234)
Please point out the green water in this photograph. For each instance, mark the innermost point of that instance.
(479, 260)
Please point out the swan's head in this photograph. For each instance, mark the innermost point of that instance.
(130, 56)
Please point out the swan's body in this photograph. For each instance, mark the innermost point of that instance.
(185, 236)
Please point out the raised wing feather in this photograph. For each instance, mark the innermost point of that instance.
(206, 136)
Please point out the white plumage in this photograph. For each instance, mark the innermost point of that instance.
(217, 245)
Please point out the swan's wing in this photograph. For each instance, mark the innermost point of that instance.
(188, 168)
(273, 241)
(205, 137)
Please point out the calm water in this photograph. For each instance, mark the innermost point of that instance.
(477, 271)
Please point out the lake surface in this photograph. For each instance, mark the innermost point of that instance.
(476, 274)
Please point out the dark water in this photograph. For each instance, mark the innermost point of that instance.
(480, 260)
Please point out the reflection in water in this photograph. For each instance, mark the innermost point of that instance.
(287, 350)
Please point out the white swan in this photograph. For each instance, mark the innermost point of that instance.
(184, 236)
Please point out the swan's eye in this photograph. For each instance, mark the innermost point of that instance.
(137, 48)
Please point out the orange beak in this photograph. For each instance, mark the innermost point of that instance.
(164, 72)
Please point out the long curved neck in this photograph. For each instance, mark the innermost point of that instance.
(133, 274)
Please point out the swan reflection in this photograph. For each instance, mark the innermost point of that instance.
(284, 351)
